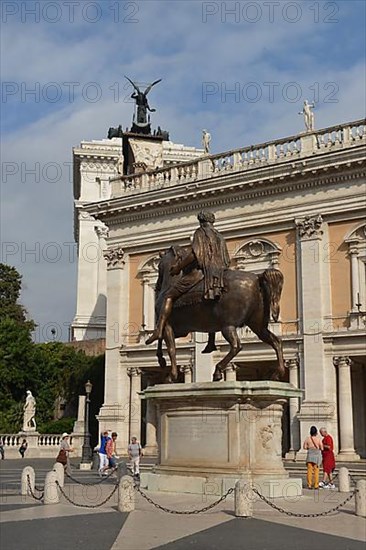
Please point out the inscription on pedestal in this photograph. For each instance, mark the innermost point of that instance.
(201, 438)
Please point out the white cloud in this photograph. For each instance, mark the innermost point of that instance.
(170, 41)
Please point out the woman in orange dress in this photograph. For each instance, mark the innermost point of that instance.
(328, 460)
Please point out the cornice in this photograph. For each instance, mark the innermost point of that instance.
(116, 211)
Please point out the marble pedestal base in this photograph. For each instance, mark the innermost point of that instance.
(212, 434)
(85, 466)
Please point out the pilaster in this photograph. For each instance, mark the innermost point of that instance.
(114, 413)
(312, 303)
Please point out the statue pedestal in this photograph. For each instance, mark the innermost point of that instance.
(212, 434)
(31, 435)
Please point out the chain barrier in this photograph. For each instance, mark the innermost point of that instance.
(299, 515)
(354, 481)
(31, 490)
(40, 489)
(91, 484)
(186, 513)
(87, 505)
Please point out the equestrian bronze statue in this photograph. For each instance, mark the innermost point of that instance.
(196, 291)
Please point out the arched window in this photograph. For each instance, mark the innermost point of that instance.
(148, 274)
(256, 255)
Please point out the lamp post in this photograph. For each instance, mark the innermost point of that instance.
(87, 452)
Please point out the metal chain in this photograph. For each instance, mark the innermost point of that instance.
(187, 513)
(90, 484)
(87, 505)
(31, 490)
(298, 515)
(40, 489)
(353, 479)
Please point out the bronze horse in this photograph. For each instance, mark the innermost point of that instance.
(249, 300)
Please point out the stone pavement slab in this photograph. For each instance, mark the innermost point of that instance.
(90, 531)
(255, 534)
(28, 524)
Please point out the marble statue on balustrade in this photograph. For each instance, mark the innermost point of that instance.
(29, 413)
(308, 115)
(206, 141)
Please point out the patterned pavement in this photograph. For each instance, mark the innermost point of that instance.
(28, 524)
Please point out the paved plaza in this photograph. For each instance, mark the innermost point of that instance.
(29, 524)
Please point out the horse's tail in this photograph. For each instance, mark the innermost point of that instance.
(271, 283)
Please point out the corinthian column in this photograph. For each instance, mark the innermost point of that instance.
(293, 367)
(135, 403)
(230, 372)
(346, 440)
(187, 371)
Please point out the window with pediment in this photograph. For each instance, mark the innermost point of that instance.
(256, 255)
(356, 241)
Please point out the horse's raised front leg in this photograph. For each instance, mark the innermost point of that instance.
(169, 339)
(230, 334)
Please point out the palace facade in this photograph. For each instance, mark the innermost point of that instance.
(296, 204)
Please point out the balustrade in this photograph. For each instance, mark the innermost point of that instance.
(43, 440)
(256, 156)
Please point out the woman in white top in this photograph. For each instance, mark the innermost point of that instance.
(314, 447)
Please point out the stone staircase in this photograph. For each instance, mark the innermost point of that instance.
(357, 470)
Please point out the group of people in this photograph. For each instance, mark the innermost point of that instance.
(108, 455)
(319, 452)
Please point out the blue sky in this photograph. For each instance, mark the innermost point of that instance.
(274, 54)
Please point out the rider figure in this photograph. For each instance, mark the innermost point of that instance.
(207, 258)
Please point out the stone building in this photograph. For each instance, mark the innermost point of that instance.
(297, 204)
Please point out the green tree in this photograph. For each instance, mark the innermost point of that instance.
(49, 370)
(10, 286)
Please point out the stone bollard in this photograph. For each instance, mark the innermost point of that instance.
(243, 500)
(60, 471)
(27, 471)
(122, 470)
(51, 491)
(343, 477)
(126, 494)
(360, 497)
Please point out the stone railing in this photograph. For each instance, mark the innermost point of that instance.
(39, 445)
(246, 158)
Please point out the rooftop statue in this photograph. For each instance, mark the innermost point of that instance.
(206, 141)
(142, 103)
(308, 115)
